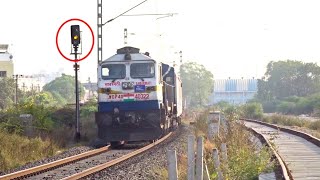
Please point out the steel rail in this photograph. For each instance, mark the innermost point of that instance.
(285, 171)
(115, 161)
(51, 165)
(303, 135)
(307, 137)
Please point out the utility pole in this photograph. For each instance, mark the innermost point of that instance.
(100, 24)
(16, 77)
(90, 89)
(125, 36)
(99, 30)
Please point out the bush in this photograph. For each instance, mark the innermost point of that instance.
(64, 116)
(201, 124)
(270, 106)
(87, 110)
(245, 160)
(252, 110)
(286, 107)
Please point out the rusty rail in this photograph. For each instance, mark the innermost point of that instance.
(116, 161)
(288, 168)
(51, 165)
(285, 171)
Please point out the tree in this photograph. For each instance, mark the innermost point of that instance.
(289, 78)
(197, 83)
(7, 92)
(63, 89)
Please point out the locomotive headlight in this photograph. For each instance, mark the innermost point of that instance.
(127, 85)
(124, 85)
(130, 85)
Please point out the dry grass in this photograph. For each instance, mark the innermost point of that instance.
(182, 169)
(182, 166)
(17, 150)
(310, 127)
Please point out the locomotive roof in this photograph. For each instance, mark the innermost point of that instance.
(135, 55)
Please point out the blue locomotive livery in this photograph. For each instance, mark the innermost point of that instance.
(140, 99)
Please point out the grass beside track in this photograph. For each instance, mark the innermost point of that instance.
(245, 159)
(17, 150)
(310, 127)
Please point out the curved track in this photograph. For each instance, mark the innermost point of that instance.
(300, 152)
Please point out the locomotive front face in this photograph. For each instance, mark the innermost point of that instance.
(130, 94)
(130, 81)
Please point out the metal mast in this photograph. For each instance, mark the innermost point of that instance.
(99, 29)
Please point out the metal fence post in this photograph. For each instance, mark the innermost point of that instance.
(172, 165)
(191, 162)
(199, 162)
(217, 163)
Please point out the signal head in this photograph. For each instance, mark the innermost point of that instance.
(75, 35)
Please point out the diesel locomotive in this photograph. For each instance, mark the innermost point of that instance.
(139, 98)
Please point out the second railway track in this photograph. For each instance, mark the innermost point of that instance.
(299, 152)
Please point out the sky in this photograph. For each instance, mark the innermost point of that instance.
(231, 38)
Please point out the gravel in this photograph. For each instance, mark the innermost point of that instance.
(149, 164)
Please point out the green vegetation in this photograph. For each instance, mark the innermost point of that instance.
(7, 91)
(252, 110)
(245, 160)
(62, 89)
(197, 83)
(51, 129)
(41, 123)
(290, 87)
(289, 78)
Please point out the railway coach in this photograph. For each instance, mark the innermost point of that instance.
(140, 99)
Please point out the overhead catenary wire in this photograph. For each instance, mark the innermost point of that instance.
(125, 12)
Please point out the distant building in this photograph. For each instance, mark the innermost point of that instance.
(6, 64)
(30, 83)
(35, 82)
(234, 91)
(91, 90)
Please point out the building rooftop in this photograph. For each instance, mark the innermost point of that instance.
(4, 48)
(4, 53)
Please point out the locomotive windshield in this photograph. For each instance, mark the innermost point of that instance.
(113, 71)
(142, 70)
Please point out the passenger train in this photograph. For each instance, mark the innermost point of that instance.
(140, 98)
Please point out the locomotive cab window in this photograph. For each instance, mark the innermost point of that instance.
(113, 71)
(142, 70)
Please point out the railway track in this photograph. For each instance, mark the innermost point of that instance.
(82, 165)
(298, 152)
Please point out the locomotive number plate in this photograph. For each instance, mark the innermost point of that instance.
(115, 96)
(141, 96)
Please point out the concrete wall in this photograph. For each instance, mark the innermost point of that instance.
(234, 91)
(7, 66)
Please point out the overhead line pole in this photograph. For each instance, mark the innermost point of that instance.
(100, 24)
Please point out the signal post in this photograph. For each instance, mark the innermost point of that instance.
(75, 41)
